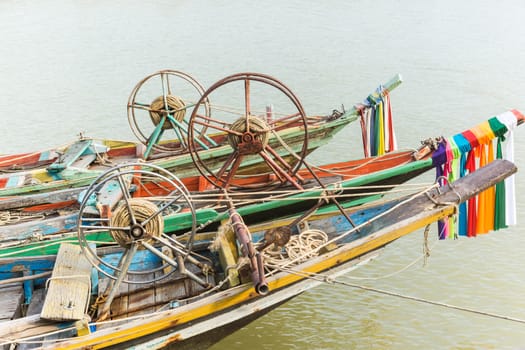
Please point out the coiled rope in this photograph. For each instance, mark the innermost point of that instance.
(158, 110)
(142, 210)
(10, 218)
(298, 249)
(356, 228)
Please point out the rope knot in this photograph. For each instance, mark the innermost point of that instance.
(329, 280)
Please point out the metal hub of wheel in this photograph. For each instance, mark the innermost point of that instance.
(137, 231)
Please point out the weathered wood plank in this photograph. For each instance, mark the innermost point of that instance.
(10, 298)
(28, 200)
(228, 255)
(37, 301)
(140, 301)
(72, 154)
(27, 327)
(109, 195)
(84, 161)
(39, 228)
(69, 286)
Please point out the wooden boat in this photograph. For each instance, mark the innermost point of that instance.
(338, 185)
(198, 295)
(355, 182)
(252, 141)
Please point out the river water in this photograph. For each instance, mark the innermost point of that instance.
(68, 67)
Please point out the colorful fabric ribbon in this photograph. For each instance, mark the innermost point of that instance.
(510, 120)
(461, 154)
(377, 128)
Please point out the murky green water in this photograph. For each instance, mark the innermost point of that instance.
(68, 67)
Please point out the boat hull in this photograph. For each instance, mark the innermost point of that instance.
(357, 189)
(240, 303)
(40, 180)
(202, 334)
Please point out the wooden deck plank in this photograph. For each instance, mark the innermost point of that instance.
(72, 154)
(141, 301)
(37, 302)
(10, 298)
(69, 286)
(228, 255)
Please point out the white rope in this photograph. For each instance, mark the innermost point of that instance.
(299, 248)
(356, 228)
(296, 156)
(327, 279)
(284, 195)
(11, 217)
(431, 302)
(425, 255)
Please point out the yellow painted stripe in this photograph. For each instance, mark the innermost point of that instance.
(95, 341)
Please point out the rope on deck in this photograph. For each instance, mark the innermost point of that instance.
(298, 249)
(11, 217)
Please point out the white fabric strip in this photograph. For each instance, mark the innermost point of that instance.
(510, 121)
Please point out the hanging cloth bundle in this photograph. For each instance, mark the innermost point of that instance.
(377, 128)
(461, 154)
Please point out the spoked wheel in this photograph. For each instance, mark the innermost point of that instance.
(136, 224)
(157, 110)
(265, 129)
